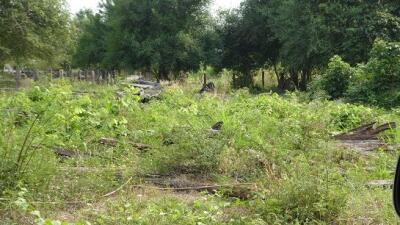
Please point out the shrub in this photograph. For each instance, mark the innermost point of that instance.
(336, 79)
(186, 149)
(378, 81)
(307, 195)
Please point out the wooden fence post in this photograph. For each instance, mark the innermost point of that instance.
(93, 76)
(234, 79)
(263, 78)
(18, 78)
(35, 75)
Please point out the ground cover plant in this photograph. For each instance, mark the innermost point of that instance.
(281, 144)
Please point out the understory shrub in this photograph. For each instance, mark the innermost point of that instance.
(336, 79)
(185, 149)
(281, 144)
(378, 81)
(375, 82)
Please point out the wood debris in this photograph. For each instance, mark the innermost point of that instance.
(114, 142)
(365, 138)
(380, 184)
(236, 190)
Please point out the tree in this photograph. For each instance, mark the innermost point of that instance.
(377, 82)
(335, 81)
(249, 43)
(32, 29)
(311, 32)
(157, 36)
(91, 48)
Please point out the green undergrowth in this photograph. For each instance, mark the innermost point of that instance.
(282, 144)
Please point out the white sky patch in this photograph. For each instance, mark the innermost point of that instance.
(76, 5)
(226, 4)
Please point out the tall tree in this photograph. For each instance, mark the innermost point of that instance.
(91, 47)
(311, 32)
(32, 29)
(157, 36)
(248, 40)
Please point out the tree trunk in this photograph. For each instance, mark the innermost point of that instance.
(93, 76)
(294, 76)
(18, 78)
(35, 75)
(162, 74)
(263, 78)
(280, 79)
(305, 73)
(234, 80)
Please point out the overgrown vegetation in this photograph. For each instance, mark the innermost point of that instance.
(257, 145)
(280, 143)
(375, 82)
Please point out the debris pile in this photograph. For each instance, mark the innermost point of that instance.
(365, 138)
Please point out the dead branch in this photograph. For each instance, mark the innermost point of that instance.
(113, 142)
(365, 132)
(118, 189)
(242, 190)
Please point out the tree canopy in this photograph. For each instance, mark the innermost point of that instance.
(157, 36)
(33, 29)
(294, 38)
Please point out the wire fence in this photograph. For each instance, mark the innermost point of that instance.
(11, 81)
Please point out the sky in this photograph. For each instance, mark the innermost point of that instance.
(76, 5)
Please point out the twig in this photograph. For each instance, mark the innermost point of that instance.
(198, 188)
(61, 202)
(118, 189)
(23, 150)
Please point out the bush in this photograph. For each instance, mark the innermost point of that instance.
(378, 81)
(336, 79)
(307, 196)
(188, 150)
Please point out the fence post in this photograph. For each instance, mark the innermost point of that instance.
(35, 75)
(93, 76)
(18, 78)
(234, 79)
(263, 78)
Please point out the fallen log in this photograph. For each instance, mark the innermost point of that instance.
(65, 153)
(380, 184)
(148, 90)
(364, 146)
(114, 142)
(384, 127)
(363, 128)
(365, 132)
(237, 190)
(241, 190)
(80, 169)
(365, 138)
(209, 87)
